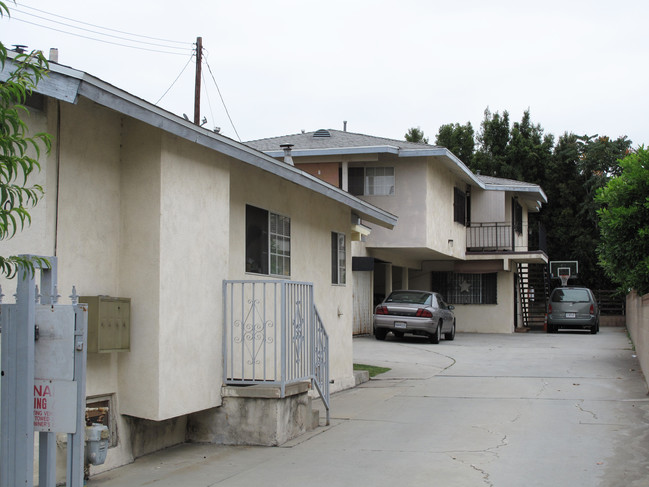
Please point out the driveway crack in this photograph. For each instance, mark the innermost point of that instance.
(578, 406)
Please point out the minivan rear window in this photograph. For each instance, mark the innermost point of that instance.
(570, 296)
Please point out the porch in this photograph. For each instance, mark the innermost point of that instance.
(276, 361)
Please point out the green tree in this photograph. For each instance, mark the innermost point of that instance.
(624, 224)
(562, 186)
(569, 172)
(493, 139)
(19, 151)
(529, 151)
(416, 134)
(598, 162)
(459, 139)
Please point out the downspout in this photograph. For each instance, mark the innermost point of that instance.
(58, 176)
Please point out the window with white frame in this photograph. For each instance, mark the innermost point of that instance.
(268, 242)
(371, 181)
(338, 259)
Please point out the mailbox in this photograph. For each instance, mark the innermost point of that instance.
(109, 323)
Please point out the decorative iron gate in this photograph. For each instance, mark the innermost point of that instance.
(273, 335)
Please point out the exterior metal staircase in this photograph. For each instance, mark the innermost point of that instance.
(533, 292)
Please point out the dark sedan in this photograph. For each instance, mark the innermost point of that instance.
(415, 312)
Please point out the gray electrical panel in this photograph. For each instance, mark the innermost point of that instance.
(109, 323)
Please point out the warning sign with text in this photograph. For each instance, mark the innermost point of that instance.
(55, 405)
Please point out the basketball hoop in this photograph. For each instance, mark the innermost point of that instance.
(564, 275)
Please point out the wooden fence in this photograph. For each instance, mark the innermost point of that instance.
(611, 302)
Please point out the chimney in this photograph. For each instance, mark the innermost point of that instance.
(344, 125)
(287, 153)
(54, 55)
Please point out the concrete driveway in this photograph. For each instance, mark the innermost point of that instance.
(567, 409)
(509, 410)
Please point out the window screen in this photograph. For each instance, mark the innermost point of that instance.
(466, 288)
(268, 242)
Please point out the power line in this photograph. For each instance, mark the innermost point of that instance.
(95, 32)
(209, 102)
(98, 26)
(177, 78)
(222, 100)
(98, 40)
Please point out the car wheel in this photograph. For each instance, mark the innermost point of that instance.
(437, 336)
(379, 333)
(451, 334)
(398, 334)
(593, 329)
(550, 328)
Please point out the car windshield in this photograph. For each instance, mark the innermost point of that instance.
(570, 296)
(409, 297)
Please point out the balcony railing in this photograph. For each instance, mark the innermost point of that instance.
(504, 237)
(273, 335)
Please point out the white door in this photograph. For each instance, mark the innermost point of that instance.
(363, 302)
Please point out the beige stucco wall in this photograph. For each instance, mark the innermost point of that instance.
(36, 238)
(141, 214)
(132, 211)
(135, 205)
(490, 318)
(194, 258)
(313, 218)
(441, 229)
(488, 206)
(423, 201)
(139, 263)
(637, 322)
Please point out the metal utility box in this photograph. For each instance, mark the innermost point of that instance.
(96, 444)
(109, 323)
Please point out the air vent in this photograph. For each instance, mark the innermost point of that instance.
(321, 133)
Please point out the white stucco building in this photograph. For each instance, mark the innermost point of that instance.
(141, 204)
(464, 235)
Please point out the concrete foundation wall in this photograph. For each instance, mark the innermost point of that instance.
(637, 322)
(254, 415)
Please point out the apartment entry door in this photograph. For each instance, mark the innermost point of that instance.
(363, 302)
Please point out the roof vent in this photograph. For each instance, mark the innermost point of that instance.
(321, 133)
(288, 159)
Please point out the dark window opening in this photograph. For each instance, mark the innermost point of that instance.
(338, 259)
(518, 217)
(466, 288)
(356, 183)
(459, 206)
(268, 242)
(256, 240)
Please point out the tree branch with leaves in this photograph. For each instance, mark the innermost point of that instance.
(19, 150)
(624, 224)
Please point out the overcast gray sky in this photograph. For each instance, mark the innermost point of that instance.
(384, 66)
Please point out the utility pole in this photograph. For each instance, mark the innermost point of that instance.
(197, 89)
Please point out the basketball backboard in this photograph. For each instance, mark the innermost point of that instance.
(560, 268)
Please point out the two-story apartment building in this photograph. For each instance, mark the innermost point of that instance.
(465, 235)
(144, 205)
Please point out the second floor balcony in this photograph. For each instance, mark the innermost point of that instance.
(505, 237)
